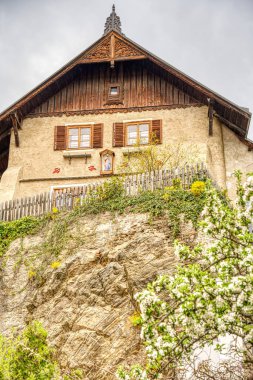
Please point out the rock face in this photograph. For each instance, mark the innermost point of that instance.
(85, 304)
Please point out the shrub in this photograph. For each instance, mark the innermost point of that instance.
(27, 356)
(198, 187)
(9, 231)
(110, 189)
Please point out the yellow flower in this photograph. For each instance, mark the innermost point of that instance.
(198, 187)
(31, 274)
(55, 264)
(135, 319)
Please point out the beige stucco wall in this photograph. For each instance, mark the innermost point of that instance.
(237, 157)
(38, 159)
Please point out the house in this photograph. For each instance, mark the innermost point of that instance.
(76, 126)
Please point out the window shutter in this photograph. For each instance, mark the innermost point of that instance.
(97, 136)
(118, 134)
(156, 130)
(60, 137)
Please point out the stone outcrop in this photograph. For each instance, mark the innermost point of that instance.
(85, 304)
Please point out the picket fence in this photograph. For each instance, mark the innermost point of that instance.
(67, 198)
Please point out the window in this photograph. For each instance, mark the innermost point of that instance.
(75, 136)
(114, 91)
(137, 133)
(79, 137)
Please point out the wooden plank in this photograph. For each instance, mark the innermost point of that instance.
(5, 134)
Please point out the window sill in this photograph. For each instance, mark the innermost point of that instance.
(77, 153)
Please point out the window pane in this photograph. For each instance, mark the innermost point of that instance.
(143, 140)
(132, 134)
(85, 131)
(73, 138)
(144, 131)
(73, 144)
(114, 90)
(143, 127)
(73, 131)
(85, 138)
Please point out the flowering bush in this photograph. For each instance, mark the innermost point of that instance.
(198, 187)
(209, 297)
(27, 356)
(109, 189)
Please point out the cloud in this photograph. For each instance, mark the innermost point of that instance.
(208, 40)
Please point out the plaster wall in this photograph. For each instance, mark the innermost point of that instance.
(237, 157)
(37, 158)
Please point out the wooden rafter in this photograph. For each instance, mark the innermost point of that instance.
(229, 124)
(15, 129)
(4, 135)
(3, 154)
(18, 119)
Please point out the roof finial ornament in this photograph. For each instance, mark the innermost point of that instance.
(113, 22)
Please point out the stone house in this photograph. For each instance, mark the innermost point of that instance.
(76, 126)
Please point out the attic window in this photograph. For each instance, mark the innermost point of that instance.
(114, 94)
(114, 90)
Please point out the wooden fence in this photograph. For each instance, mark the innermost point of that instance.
(67, 198)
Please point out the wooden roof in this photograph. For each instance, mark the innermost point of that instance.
(113, 46)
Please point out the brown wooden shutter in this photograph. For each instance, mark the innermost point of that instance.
(118, 134)
(156, 130)
(97, 136)
(60, 137)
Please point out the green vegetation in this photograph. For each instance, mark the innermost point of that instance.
(208, 297)
(27, 356)
(9, 231)
(198, 187)
(173, 201)
(152, 157)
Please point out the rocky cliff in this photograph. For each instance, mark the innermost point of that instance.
(85, 299)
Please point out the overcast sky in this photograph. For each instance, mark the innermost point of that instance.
(210, 40)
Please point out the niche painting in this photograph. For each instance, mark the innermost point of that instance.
(107, 158)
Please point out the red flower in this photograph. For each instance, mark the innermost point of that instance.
(56, 170)
(91, 168)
